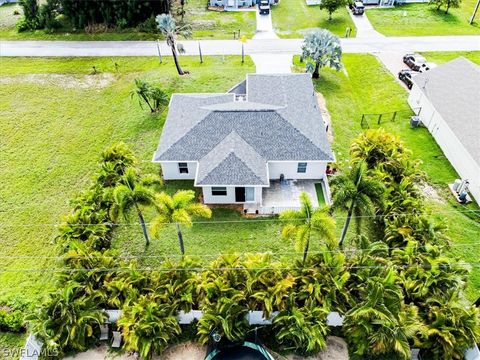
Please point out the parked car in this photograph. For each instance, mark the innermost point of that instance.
(417, 62)
(406, 77)
(264, 7)
(357, 8)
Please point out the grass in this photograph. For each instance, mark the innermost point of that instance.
(205, 25)
(365, 86)
(53, 130)
(11, 345)
(293, 18)
(320, 195)
(423, 19)
(443, 57)
(219, 25)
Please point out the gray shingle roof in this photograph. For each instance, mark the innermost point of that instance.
(246, 165)
(280, 121)
(454, 90)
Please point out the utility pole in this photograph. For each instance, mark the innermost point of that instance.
(474, 12)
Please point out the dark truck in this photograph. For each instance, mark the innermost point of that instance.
(264, 7)
(357, 8)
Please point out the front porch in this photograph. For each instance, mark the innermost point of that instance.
(285, 195)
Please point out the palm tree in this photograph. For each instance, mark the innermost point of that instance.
(167, 25)
(133, 192)
(67, 319)
(324, 49)
(148, 326)
(179, 210)
(142, 89)
(302, 222)
(357, 193)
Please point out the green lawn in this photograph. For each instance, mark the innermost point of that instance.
(443, 57)
(11, 345)
(367, 87)
(293, 18)
(422, 19)
(55, 120)
(205, 25)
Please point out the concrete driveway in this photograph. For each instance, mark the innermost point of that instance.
(393, 62)
(264, 27)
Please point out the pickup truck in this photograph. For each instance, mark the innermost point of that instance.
(264, 7)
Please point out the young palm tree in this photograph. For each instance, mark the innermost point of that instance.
(142, 90)
(357, 193)
(302, 222)
(179, 210)
(133, 192)
(167, 25)
(67, 319)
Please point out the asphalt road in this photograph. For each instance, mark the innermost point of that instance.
(233, 47)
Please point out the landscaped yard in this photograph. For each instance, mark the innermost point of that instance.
(367, 87)
(422, 19)
(293, 18)
(205, 25)
(55, 121)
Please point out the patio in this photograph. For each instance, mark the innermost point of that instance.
(285, 195)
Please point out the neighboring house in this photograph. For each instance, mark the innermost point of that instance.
(449, 98)
(260, 144)
(231, 5)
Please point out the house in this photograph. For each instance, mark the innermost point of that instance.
(259, 145)
(232, 5)
(449, 98)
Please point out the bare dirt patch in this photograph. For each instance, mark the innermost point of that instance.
(322, 104)
(430, 192)
(97, 81)
(336, 350)
(185, 351)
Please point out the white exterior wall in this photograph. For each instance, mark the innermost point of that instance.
(315, 170)
(208, 198)
(170, 171)
(453, 149)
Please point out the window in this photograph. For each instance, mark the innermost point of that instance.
(219, 191)
(302, 168)
(183, 168)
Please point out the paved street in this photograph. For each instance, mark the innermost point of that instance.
(233, 47)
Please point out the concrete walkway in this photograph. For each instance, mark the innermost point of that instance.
(233, 47)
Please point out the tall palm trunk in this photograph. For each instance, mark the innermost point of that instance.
(347, 223)
(180, 239)
(142, 223)
(175, 58)
(316, 73)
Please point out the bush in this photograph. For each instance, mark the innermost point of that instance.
(148, 26)
(122, 24)
(27, 25)
(11, 320)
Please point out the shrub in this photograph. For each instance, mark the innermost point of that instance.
(148, 26)
(11, 320)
